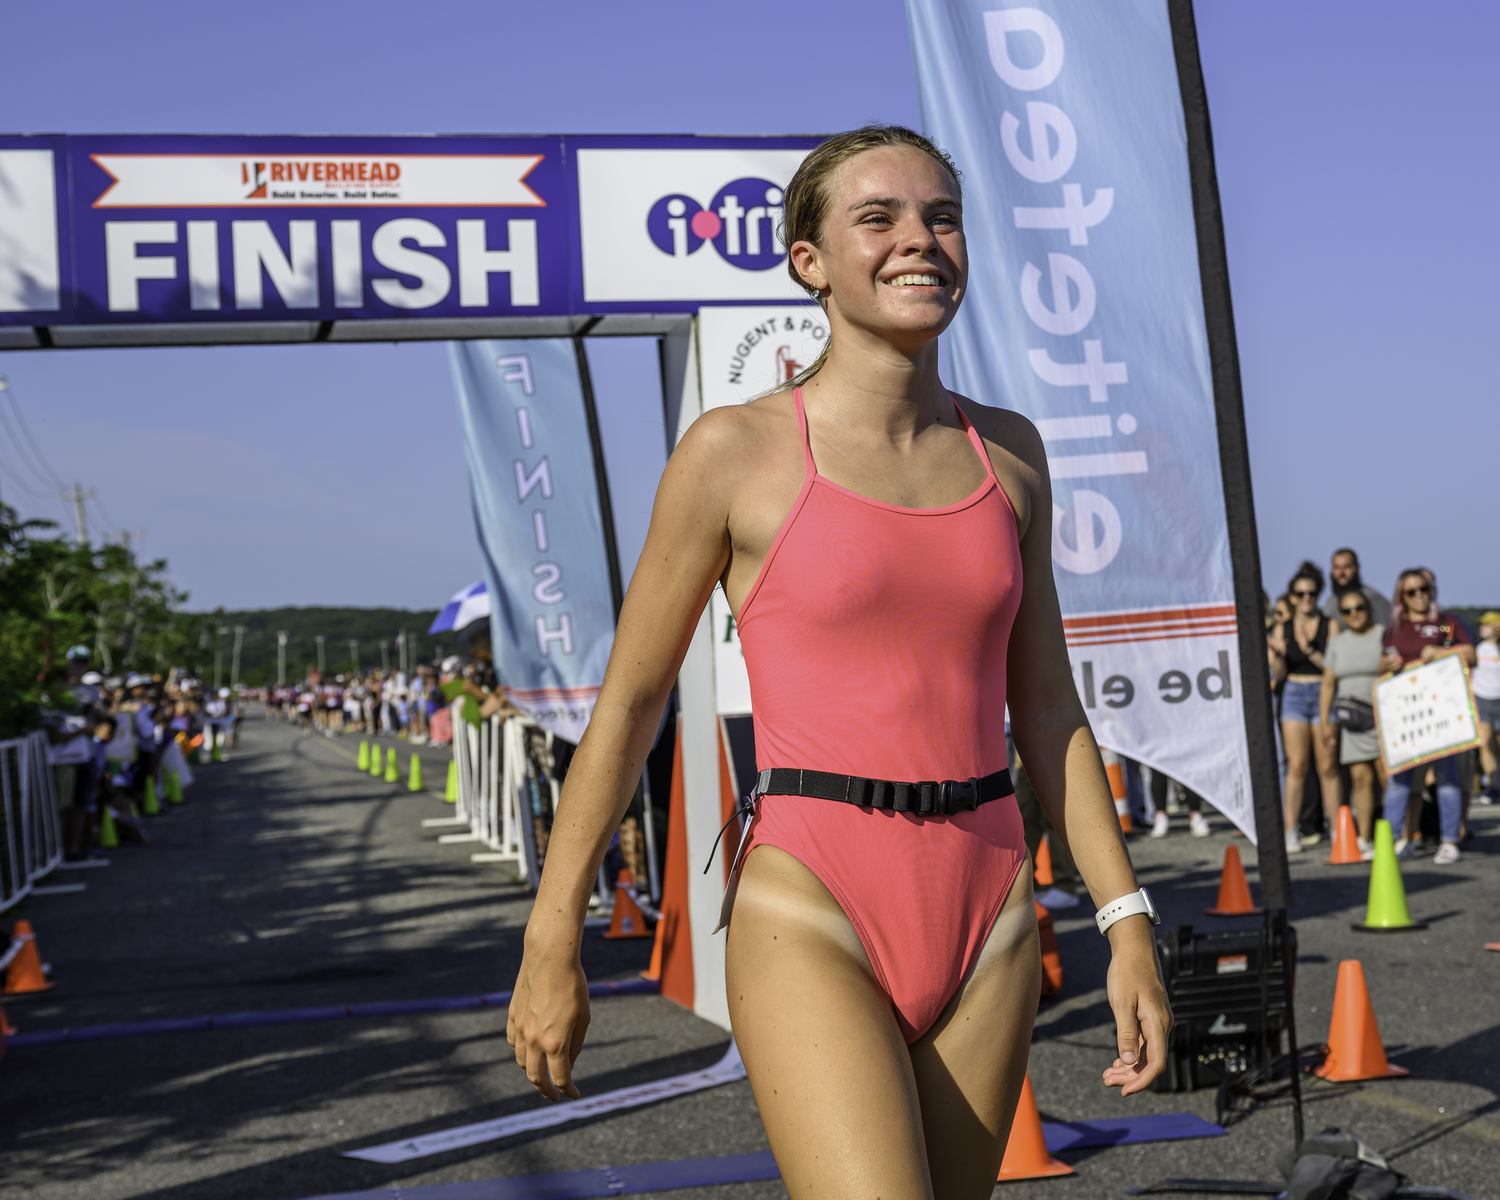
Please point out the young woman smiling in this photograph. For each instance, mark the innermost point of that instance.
(872, 532)
(1297, 649)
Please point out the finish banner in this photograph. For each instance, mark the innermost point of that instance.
(541, 530)
(1085, 312)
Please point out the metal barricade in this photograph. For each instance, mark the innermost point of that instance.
(488, 757)
(32, 841)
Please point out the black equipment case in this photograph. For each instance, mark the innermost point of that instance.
(1228, 994)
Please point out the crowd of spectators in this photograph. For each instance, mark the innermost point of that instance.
(375, 704)
(1325, 658)
(125, 731)
(402, 704)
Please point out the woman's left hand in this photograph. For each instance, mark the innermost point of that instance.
(1143, 1015)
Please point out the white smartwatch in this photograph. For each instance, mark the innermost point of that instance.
(1126, 906)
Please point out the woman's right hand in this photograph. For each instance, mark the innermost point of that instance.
(549, 1014)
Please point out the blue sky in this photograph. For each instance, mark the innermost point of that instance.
(1355, 165)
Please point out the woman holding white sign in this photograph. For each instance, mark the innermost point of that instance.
(872, 532)
(1423, 632)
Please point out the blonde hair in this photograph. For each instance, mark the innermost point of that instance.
(806, 201)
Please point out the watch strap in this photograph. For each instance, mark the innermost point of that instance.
(1126, 906)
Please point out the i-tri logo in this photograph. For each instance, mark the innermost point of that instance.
(743, 222)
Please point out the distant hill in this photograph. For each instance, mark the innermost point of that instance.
(369, 627)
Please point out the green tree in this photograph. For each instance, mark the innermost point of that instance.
(55, 594)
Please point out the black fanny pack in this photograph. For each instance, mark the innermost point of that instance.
(926, 799)
(1357, 716)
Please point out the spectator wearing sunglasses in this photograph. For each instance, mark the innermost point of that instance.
(1350, 666)
(1424, 632)
(1296, 648)
(1344, 579)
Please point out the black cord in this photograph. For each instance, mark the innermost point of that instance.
(26, 429)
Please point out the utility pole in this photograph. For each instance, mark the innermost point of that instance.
(281, 658)
(77, 496)
(234, 670)
(219, 655)
(321, 666)
(385, 658)
(401, 650)
(354, 653)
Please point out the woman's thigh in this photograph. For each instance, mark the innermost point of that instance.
(970, 1065)
(831, 1073)
(1297, 738)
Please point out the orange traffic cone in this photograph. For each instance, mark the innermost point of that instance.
(1052, 972)
(628, 920)
(1234, 889)
(1492, 945)
(1043, 873)
(654, 970)
(1345, 840)
(6, 1028)
(25, 973)
(1026, 1154)
(1116, 773)
(1354, 1049)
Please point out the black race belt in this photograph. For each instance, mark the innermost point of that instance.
(925, 799)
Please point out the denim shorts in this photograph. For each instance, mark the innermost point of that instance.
(1299, 701)
(1489, 711)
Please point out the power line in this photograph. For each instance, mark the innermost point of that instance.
(19, 480)
(21, 455)
(109, 522)
(26, 429)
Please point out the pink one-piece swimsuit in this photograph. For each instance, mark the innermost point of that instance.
(875, 638)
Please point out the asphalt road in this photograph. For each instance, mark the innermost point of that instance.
(290, 880)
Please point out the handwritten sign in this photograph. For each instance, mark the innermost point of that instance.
(1425, 713)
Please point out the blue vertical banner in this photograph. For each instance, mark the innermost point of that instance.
(1085, 313)
(540, 524)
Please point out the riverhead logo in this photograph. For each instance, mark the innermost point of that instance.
(743, 221)
(278, 180)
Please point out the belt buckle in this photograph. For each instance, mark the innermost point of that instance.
(959, 795)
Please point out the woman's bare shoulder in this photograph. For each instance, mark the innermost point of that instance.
(729, 445)
(1010, 432)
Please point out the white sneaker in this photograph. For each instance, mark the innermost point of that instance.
(1197, 826)
(1311, 839)
(1160, 826)
(1403, 848)
(1366, 850)
(1293, 842)
(1446, 853)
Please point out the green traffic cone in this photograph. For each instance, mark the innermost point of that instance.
(375, 760)
(1386, 910)
(363, 761)
(450, 793)
(392, 774)
(414, 779)
(109, 836)
(174, 787)
(149, 806)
